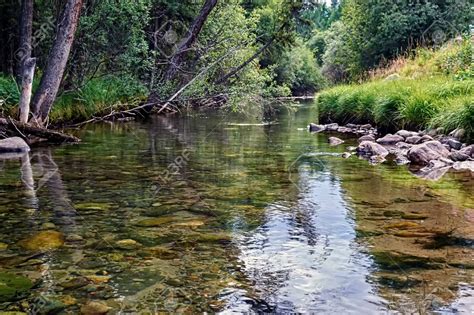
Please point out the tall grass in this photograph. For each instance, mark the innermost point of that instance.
(435, 89)
(97, 96)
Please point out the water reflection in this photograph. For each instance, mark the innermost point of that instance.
(258, 219)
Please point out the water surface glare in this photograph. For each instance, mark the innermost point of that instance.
(219, 213)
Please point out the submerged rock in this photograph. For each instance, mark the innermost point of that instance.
(422, 154)
(153, 222)
(334, 141)
(43, 240)
(13, 145)
(127, 244)
(13, 287)
(95, 308)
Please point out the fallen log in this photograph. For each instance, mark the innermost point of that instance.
(27, 131)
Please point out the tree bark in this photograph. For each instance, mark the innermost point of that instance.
(190, 38)
(26, 29)
(26, 88)
(184, 47)
(57, 60)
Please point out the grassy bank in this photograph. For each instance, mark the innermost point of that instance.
(431, 90)
(97, 96)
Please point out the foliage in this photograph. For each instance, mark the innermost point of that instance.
(434, 97)
(298, 69)
(372, 32)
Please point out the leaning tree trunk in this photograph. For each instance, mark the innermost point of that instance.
(23, 53)
(185, 45)
(57, 60)
(190, 38)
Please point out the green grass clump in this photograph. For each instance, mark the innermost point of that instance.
(429, 92)
(96, 97)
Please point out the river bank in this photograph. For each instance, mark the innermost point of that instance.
(434, 90)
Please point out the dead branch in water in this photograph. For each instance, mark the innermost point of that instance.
(27, 131)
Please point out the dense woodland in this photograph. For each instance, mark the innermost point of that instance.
(97, 57)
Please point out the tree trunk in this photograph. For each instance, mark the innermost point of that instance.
(190, 38)
(57, 60)
(184, 47)
(26, 29)
(26, 88)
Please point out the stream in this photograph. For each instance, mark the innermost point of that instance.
(217, 212)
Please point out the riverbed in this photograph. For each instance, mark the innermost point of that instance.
(218, 212)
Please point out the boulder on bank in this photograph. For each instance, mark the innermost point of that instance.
(366, 138)
(458, 156)
(369, 148)
(422, 154)
(390, 139)
(413, 139)
(316, 128)
(334, 141)
(469, 150)
(13, 145)
(332, 127)
(406, 134)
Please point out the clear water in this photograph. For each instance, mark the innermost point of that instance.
(218, 213)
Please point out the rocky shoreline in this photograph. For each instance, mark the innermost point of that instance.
(429, 153)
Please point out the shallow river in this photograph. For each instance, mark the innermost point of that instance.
(218, 213)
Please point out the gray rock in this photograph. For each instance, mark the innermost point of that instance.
(464, 166)
(366, 138)
(390, 139)
(351, 148)
(401, 159)
(425, 138)
(406, 134)
(434, 170)
(346, 155)
(422, 154)
(455, 144)
(332, 127)
(334, 141)
(352, 126)
(12, 145)
(369, 148)
(413, 139)
(458, 133)
(458, 156)
(403, 145)
(344, 130)
(366, 126)
(469, 150)
(316, 128)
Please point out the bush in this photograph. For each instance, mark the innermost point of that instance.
(299, 70)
